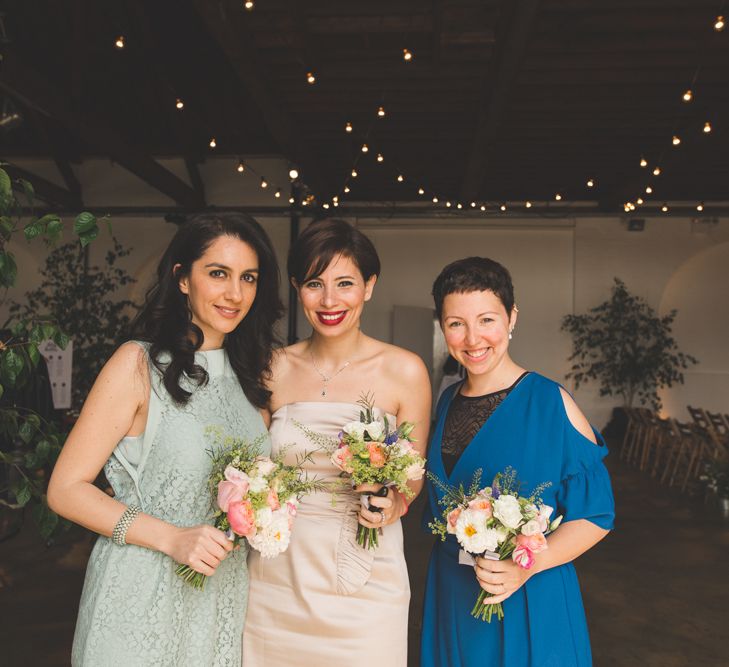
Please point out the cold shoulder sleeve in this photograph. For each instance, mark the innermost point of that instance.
(585, 491)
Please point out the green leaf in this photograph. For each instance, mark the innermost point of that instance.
(49, 330)
(42, 450)
(23, 493)
(33, 229)
(45, 518)
(33, 354)
(2, 391)
(26, 432)
(84, 222)
(8, 269)
(6, 227)
(11, 363)
(61, 339)
(6, 186)
(87, 237)
(54, 230)
(28, 189)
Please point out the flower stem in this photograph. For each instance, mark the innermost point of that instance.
(484, 610)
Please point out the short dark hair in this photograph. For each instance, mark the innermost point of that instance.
(166, 319)
(323, 240)
(473, 274)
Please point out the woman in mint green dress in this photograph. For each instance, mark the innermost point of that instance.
(202, 349)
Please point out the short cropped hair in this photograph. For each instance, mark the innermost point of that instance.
(473, 274)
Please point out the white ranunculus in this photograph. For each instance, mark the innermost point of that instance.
(264, 466)
(531, 527)
(264, 516)
(492, 539)
(258, 484)
(508, 511)
(355, 429)
(273, 538)
(375, 430)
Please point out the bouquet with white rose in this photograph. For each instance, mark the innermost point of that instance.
(371, 451)
(254, 497)
(495, 522)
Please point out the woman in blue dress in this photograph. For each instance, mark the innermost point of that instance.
(503, 415)
(203, 348)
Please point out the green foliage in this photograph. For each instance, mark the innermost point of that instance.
(29, 444)
(82, 300)
(626, 347)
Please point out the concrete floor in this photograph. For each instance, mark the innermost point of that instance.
(655, 590)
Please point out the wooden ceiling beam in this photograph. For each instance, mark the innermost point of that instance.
(518, 21)
(235, 44)
(49, 192)
(32, 89)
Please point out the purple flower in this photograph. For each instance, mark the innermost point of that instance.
(495, 491)
(392, 438)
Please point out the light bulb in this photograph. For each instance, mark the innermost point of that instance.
(212, 143)
(241, 167)
(354, 173)
(639, 201)
(590, 183)
(648, 190)
(381, 112)
(700, 207)
(291, 200)
(558, 197)
(421, 191)
(310, 78)
(325, 205)
(264, 182)
(707, 127)
(688, 95)
(335, 199)
(179, 103)
(365, 148)
(448, 204)
(664, 208)
(400, 178)
(719, 24)
(528, 204)
(657, 171)
(473, 204)
(346, 189)
(676, 140)
(380, 158)
(335, 204)
(435, 200)
(483, 208)
(249, 4)
(119, 43)
(643, 162)
(459, 205)
(305, 202)
(503, 207)
(293, 173)
(348, 127)
(277, 194)
(407, 55)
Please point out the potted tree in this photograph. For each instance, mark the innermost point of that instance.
(628, 349)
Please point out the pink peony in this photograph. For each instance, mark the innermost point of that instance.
(272, 500)
(229, 492)
(523, 557)
(481, 504)
(242, 518)
(452, 519)
(342, 459)
(535, 543)
(377, 456)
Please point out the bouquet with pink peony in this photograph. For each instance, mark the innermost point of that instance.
(255, 498)
(494, 522)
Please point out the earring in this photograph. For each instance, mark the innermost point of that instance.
(511, 334)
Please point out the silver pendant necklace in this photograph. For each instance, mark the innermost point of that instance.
(327, 378)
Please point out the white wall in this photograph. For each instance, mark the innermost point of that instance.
(558, 267)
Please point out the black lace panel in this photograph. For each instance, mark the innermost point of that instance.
(466, 415)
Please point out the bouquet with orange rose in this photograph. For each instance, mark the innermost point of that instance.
(496, 523)
(255, 497)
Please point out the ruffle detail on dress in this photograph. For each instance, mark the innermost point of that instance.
(354, 563)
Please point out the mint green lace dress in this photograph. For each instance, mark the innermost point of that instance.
(135, 611)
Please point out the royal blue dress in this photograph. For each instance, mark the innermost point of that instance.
(544, 621)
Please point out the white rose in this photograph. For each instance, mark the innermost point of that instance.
(531, 527)
(258, 484)
(375, 430)
(264, 516)
(492, 539)
(355, 429)
(507, 510)
(264, 466)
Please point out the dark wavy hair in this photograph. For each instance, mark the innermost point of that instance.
(323, 240)
(473, 274)
(165, 320)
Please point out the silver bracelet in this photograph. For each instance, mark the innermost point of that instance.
(119, 534)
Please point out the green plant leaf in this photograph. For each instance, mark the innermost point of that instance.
(42, 450)
(28, 189)
(61, 339)
(45, 518)
(87, 237)
(33, 229)
(23, 493)
(6, 185)
(54, 231)
(6, 227)
(33, 354)
(2, 391)
(8, 269)
(84, 222)
(11, 363)
(26, 432)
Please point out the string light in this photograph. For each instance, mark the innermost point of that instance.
(528, 204)
(473, 204)
(459, 205)
(643, 162)
(346, 189)
(657, 171)
(676, 140)
(354, 173)
(348, 127)
(381, 112)
(435, 200)
(688, 95)
(291, 200)
(700, 207)
(241, 167)
(590, 183)
(719, 24)
(421, 191)
(264, 183)
(648, 190)
(503, 207)
(407, 55)
(335, 199)
(365, 148)
(400, 178)
(310, 78)
(639, 201)
(664, 208)
(277, 194)
(325, 205)
(483, 208)
(707, 127)
(249, 4)
(448, 204)
(380, 158)
(335, 204)
(119, 42)
(179, 103)
(293, 173)
(558, 197)
(212, 143)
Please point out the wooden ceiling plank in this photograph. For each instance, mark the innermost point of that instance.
(511, 43)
